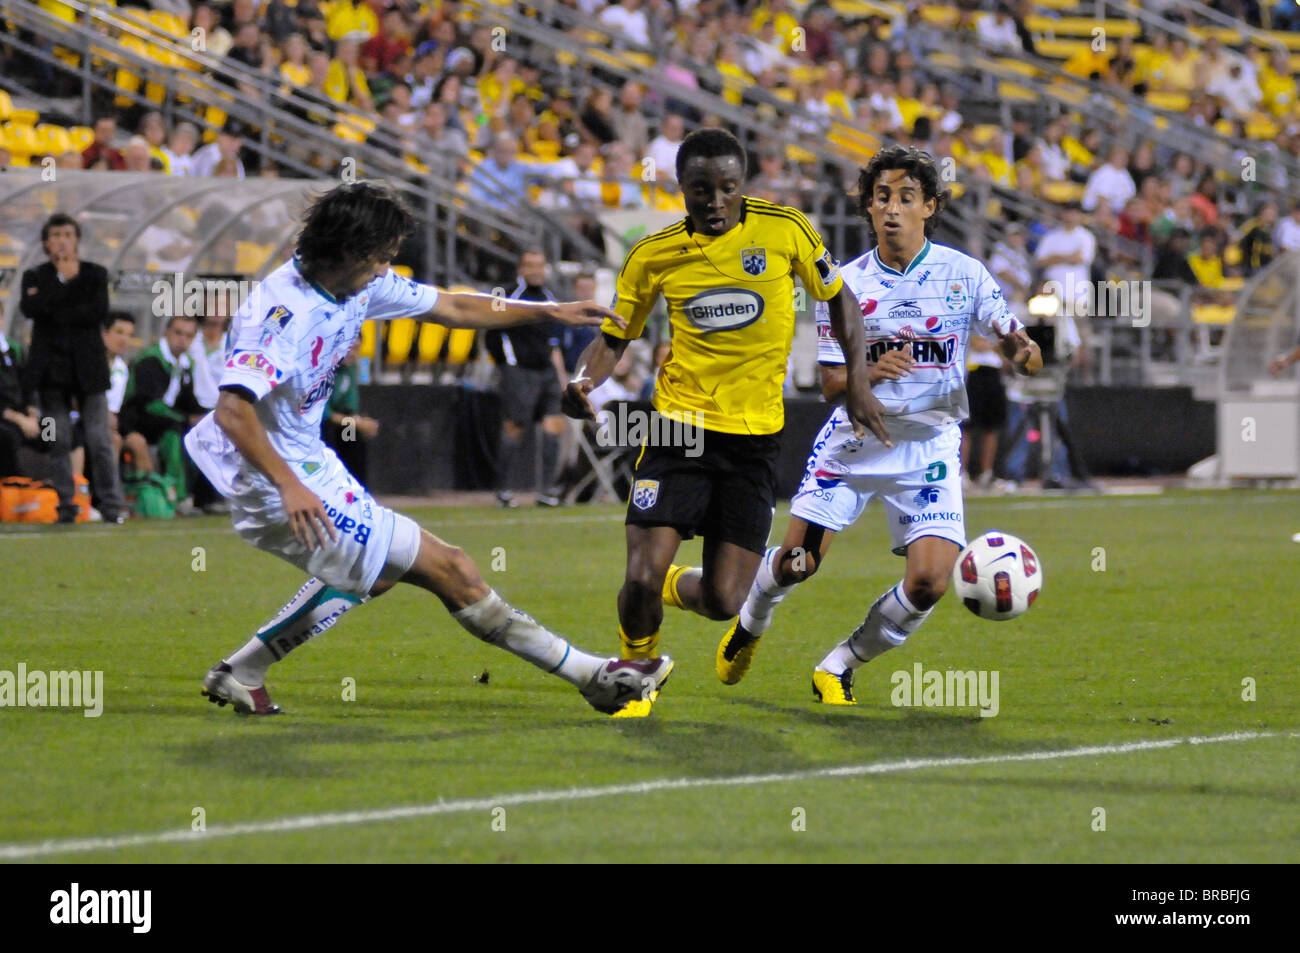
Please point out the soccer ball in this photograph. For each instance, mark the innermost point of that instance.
(997, 576)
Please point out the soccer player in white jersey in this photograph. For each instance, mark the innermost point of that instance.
(920, 302)
(290, 495)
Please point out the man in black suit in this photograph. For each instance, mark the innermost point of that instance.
(67, 301)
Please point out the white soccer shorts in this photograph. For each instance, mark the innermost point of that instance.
(918, 481)
(373, 541)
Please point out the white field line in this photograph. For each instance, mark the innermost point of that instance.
(350, 818)
(1010, 502)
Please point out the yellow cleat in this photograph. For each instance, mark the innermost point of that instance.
(833, 689)
(736, 654)
(640, 708)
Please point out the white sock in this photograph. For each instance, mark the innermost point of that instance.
(891, 619)
(764, 596)
(493, 620)
(315, 608)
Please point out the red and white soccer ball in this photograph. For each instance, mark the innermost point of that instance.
(997, 576)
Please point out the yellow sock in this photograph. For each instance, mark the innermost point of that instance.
(638, 648)
(674, 576)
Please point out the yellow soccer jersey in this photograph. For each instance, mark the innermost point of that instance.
(731, 307)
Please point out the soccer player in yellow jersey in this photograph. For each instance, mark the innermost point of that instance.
(727, 274)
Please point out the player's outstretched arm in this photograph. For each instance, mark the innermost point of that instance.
(238, 420)
(466, 310)
(594, 367)
(1023, 353)
(862, 405)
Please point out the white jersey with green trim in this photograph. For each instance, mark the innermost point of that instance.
(929, 308)
(284, 345)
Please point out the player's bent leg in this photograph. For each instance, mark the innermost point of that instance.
(893, 617)
(650, 552)
(609, 685)
(780, 569)
(929, 567)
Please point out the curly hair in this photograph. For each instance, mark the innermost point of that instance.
(918, 165)
(352, 223)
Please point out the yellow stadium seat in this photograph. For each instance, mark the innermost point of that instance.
(1174, 102)
(1062, 192)
(250, 257)
(432, 337)
(416, 164)
(938, 15)
(1070, 95)
(368, 339)
(1261, 129)
(1082, 26)
(1217, 314)
(348, 132)
(81, 137)
(1235, 282)
(6, 105)
(20, 139)
(796, 153)
(169, 24)
(401, 335)
(1015, 91)
(1059, 49)
(460, 344)
(1278, 37)
(983, 133)
(944, 61)
(24, 117)
(53, 140)
(1017, 66)
(852, 8)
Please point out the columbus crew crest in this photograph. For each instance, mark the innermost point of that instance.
(645, 493)
(754, 261)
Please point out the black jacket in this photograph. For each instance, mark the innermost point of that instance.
(67, 344)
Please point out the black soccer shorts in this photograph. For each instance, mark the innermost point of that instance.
(725, 492)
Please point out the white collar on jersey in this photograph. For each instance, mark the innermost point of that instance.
(925, 250)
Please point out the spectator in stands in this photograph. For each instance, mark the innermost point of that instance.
(1111, 182)
(1237, 92)
(626, 18)
(596, 121)
(294, 69)
(1287, 234)
(246, 50)
(1142, 164)
(154, 130)
(346, 83)
(774, 181)
(1207, 263)
(160, 403)
(137, 157)
(100, 154)
(663, 148)
(180, 148)
(393, 41)
(1277, 85)
(1204, 200)
(1065, 255)
(532, 378)
(997, 32)
(345, 429)
(222, 156)
(1257, 248)
(66, 300)
(20, 421)
(629, 119)
(618, 189)
(501, 179)
(216, 39)
(441, 147)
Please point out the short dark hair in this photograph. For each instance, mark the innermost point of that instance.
(179, 316)
(709, 144)
(115, 316)
(57, 220)
(917, 164)
(354, 223)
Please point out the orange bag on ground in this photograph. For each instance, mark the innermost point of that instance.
(23, 500)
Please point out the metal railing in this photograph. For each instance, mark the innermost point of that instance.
(283, 136)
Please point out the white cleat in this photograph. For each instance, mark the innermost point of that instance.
(221, 688)
(622, 684)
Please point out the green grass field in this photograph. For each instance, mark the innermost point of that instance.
(1198, 593)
